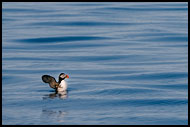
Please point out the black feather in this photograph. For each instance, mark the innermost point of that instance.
(51, 80)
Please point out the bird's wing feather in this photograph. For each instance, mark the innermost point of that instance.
(51, 80)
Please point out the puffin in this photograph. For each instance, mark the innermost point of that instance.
(59, 86)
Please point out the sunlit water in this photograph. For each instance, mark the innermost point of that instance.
(127, 63)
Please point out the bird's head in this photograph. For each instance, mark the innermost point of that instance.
(63, 76)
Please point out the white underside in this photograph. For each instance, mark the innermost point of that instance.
(62, 86)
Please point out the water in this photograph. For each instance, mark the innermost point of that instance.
(127, 63)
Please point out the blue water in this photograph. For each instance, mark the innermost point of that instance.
(127, 63)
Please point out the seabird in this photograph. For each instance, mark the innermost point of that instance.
(59, 86)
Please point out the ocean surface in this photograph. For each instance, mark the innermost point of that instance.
(127, 63)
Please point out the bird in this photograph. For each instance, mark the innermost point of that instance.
(59, 86)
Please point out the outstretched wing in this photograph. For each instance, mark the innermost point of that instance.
(51, 80)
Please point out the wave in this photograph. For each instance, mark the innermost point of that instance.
(60, 39)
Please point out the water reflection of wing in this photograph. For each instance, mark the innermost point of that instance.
(51, 96)
(61, 95)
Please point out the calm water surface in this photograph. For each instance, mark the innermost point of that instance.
(127, 62)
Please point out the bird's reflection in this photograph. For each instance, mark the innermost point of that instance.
(54, 115)
(61, 95)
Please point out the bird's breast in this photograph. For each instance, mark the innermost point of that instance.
(62, 86)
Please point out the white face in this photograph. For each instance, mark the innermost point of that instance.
(62, 76)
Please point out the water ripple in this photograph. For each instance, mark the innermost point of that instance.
(18, 10)
(144, 9)
(153, 76)
(60, 39)
(82, 24)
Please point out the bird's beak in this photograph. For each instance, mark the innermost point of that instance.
(67, 76)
